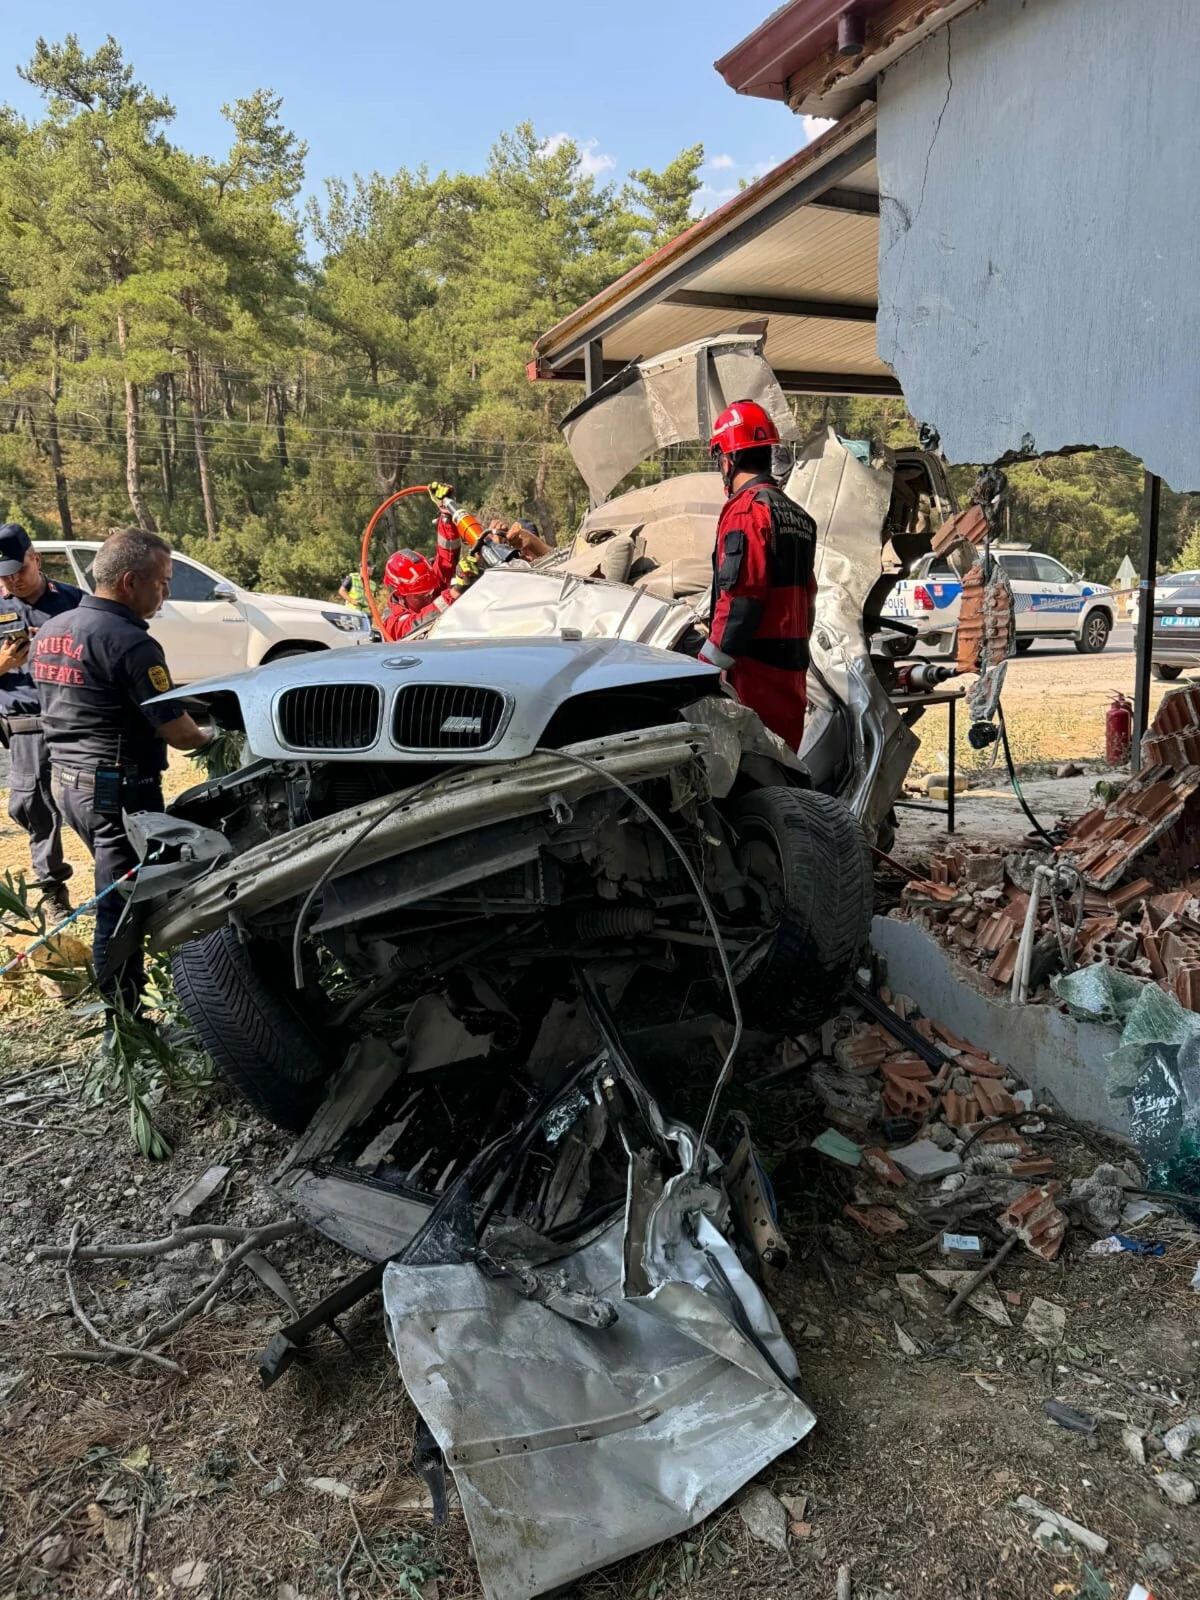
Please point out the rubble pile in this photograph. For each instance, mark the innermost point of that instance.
(967, 1126)
(1128, 889)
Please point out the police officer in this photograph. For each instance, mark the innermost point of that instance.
(94, 669)
(27, 601)
(764, 583)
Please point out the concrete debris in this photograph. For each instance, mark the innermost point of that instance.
(1134, 1441)
(1181, 1439)
(1092, 1542)
(921, 1296)
(1156, 1558)
(908, 1345)
(1100, 1198)
(982, 1299)
(1045, 1322)
(765, 1517)
(923, 1160)
(188, 1201)
(1180, 1491)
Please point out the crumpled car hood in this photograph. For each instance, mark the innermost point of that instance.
(669, 399)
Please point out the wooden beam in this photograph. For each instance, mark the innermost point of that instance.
(772, 305)
(791, 382)
(593, 365)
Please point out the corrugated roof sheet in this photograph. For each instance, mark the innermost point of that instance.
(774, 240)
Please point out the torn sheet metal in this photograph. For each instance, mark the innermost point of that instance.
(669, 399)
(573, 1447)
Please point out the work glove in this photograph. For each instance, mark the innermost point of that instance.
(440, 491)
(468, 569)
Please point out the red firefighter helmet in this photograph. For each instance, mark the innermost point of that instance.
(744, 425)
(409, 573)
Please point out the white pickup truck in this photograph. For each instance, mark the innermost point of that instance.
(209, 626)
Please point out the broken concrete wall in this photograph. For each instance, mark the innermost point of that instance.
(1038, 239)
(1050, 1051)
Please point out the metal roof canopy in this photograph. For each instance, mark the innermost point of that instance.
(798, 248)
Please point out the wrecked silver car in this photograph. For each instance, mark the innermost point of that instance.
(476, 820)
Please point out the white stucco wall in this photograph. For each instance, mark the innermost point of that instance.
(1039, 262)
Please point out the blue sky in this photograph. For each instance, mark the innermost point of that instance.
(372, 85)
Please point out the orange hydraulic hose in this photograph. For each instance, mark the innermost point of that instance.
(415, 488)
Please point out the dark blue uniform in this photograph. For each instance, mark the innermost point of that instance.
(93, 670)
(30, 801)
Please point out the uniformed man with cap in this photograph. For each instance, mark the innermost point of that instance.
(95, 668)
(28, 600)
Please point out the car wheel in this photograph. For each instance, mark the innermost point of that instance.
(237, 999)
(1024, 646)
(291, 650)
(1094, 636)
(898, 644)
(1164, 673)
(808, 859)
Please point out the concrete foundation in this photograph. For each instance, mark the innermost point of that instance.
(1056, 1056)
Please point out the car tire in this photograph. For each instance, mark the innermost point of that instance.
(821, 894)
(285, 650)
(1164, 673)
(899, 645)
(1093, 636)
(1024, 646)
(246, 1020)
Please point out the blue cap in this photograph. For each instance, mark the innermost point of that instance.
(15, 545)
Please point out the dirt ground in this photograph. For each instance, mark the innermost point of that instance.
(908, 1476)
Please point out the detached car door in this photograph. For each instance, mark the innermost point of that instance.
(202, 627)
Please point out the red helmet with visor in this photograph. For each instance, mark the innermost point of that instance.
(410, 574)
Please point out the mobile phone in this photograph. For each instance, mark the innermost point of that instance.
(106, 796)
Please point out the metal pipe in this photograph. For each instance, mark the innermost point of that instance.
(1020, 983)
(1144, 642)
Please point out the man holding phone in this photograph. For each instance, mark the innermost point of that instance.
(28, 600)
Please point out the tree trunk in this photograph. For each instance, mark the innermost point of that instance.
(210, 505)
(164, 444)
(280, 420)
(56, 455)
(226, 397)
(545, 515)
(173, 404)
(133, 476)
(109, 436)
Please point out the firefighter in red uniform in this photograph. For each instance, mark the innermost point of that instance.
(421, 589)
(764, 587)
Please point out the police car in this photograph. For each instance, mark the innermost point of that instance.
(1049, 602)
(211, 626)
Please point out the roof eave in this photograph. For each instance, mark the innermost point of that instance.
(793, 56)
(564, 338)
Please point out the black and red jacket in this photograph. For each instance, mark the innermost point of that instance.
(764, 590)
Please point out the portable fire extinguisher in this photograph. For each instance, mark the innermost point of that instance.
(1118, 731)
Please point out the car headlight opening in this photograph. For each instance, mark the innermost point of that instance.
(348, 621)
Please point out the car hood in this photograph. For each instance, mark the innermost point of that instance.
(296, 604)
(668, 399)
(534, 676)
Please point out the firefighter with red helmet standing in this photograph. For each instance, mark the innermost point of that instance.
(764, 587)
